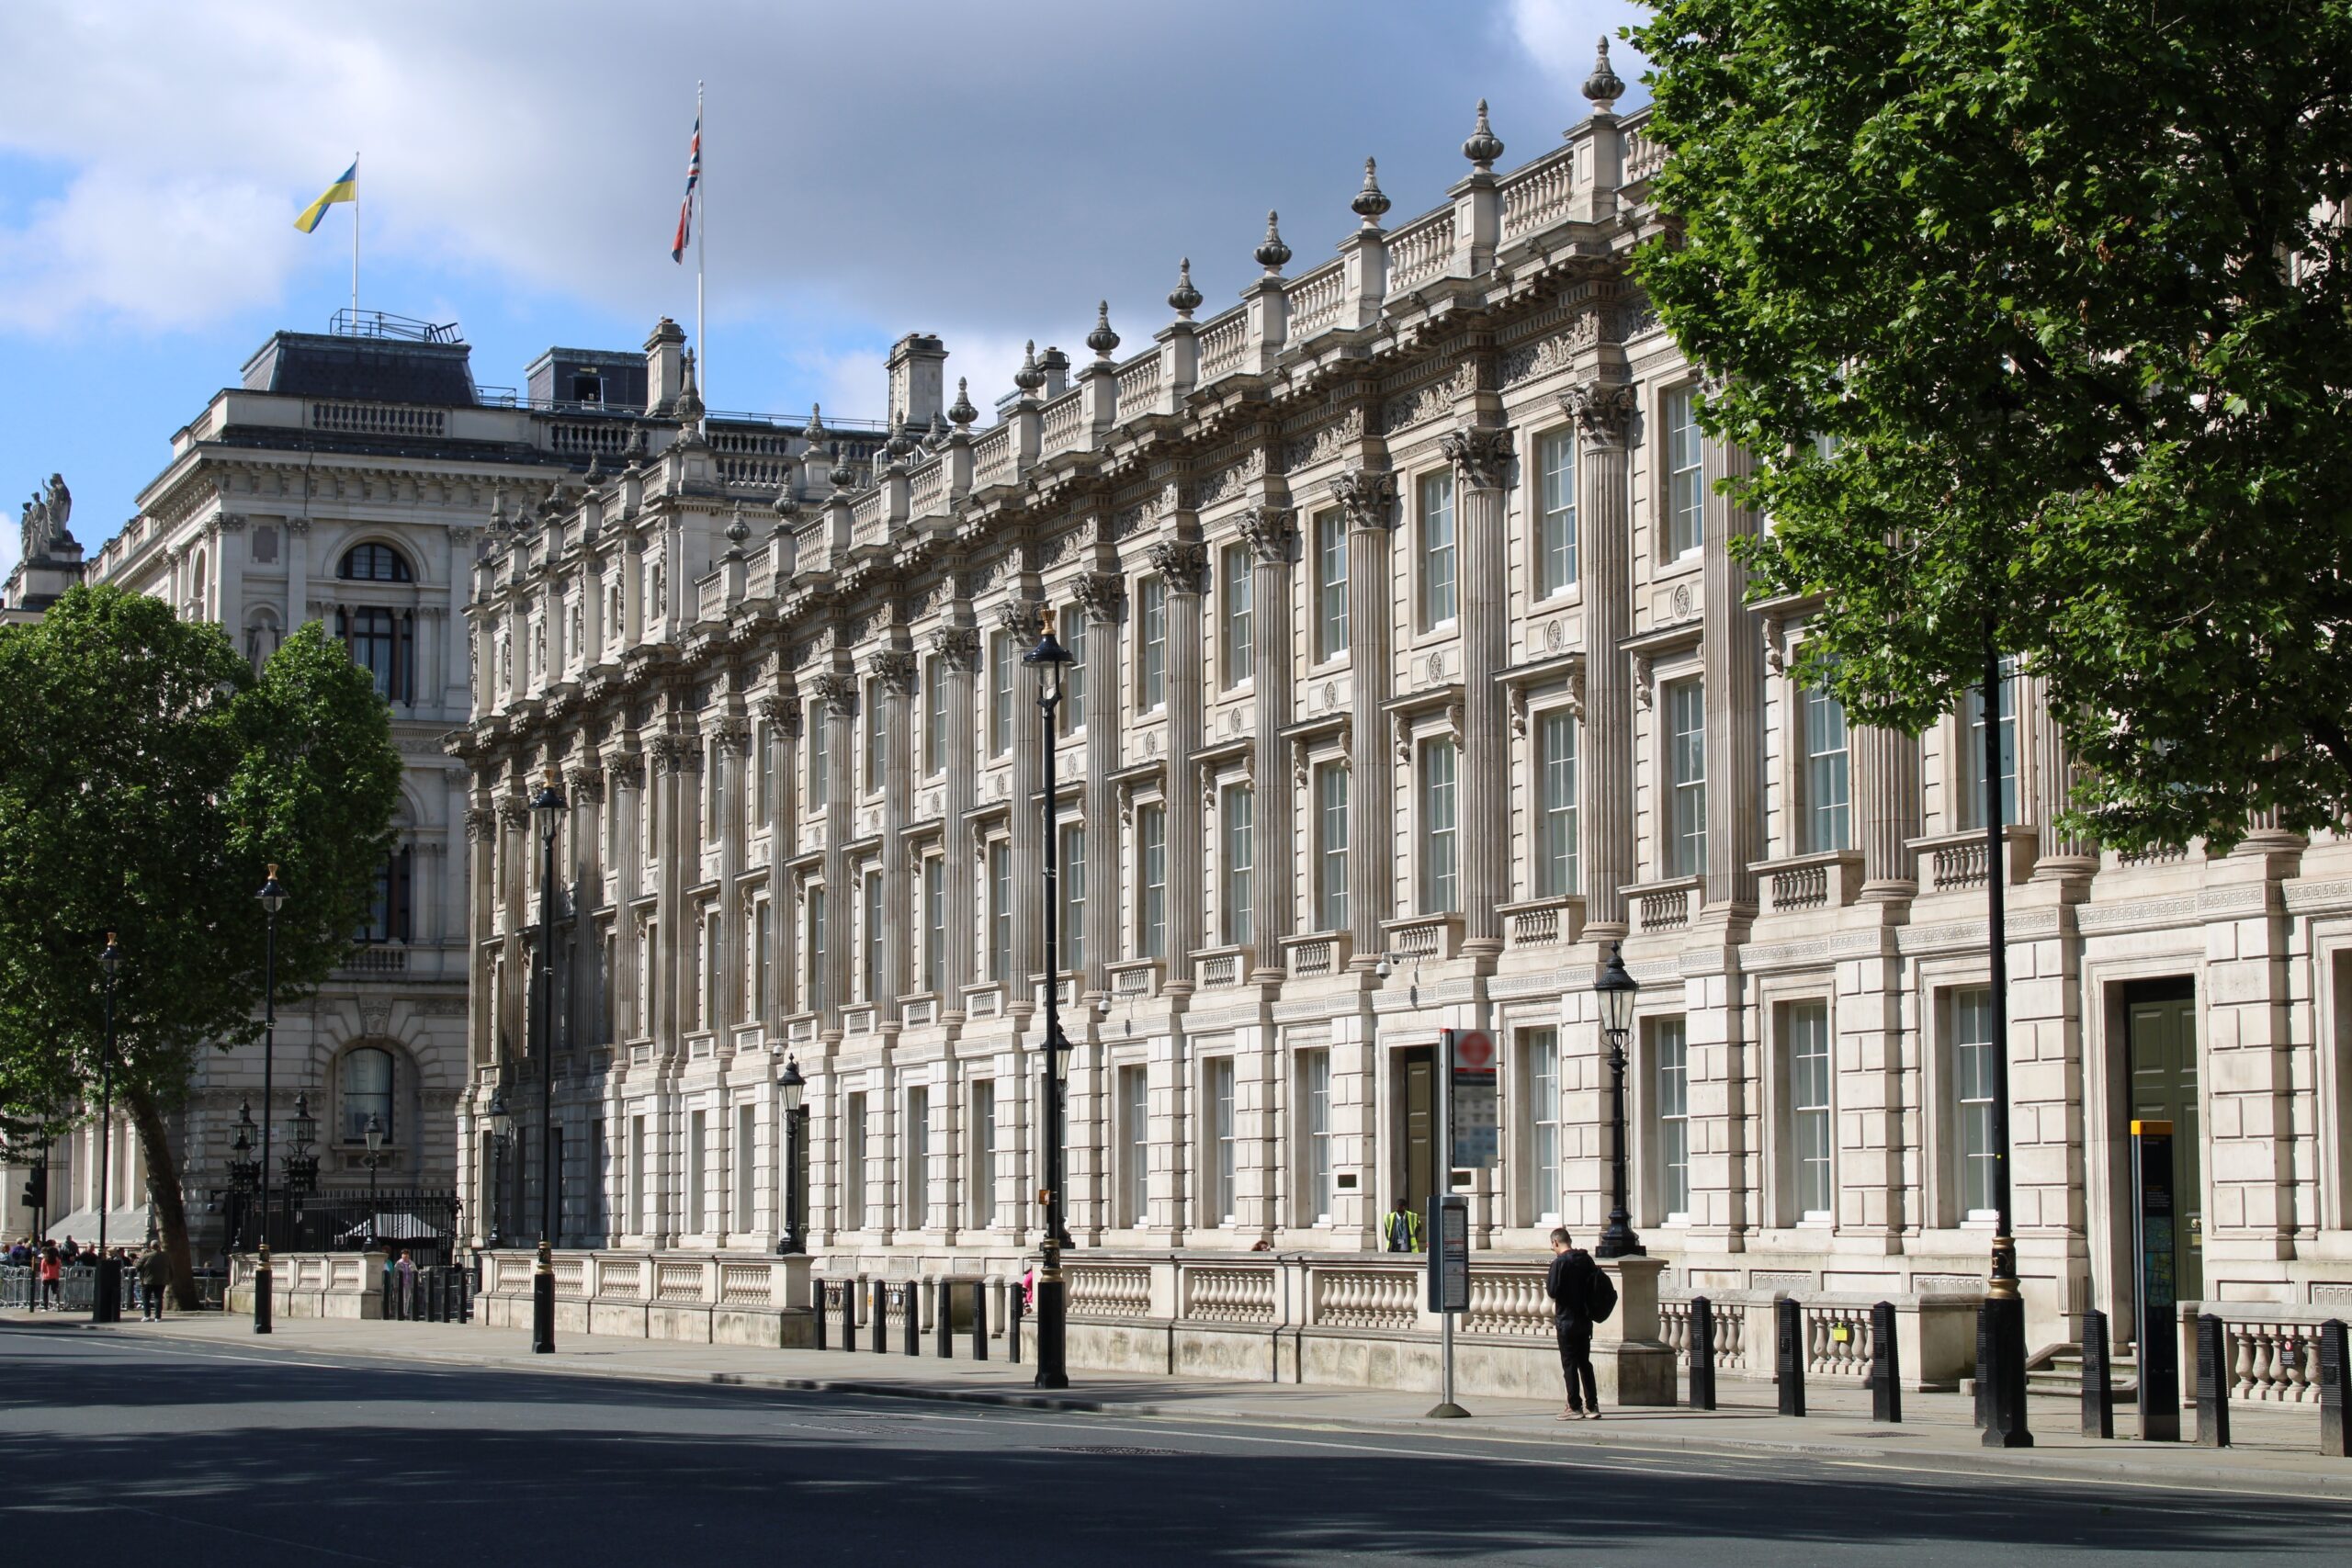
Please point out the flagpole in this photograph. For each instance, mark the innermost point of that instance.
(702, 228)
(355, 242)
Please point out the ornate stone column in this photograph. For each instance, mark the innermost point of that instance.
(1023, 622)
(2061, 855)
(1102, 598)
(1482, 462)
(836, 693)
(1271, 535)
(1368, 496)
(1731, 648)
(894, 670)
(781, 712)
(1181, 564)
(1886, 788)
(959, 647)
(732, 788)
(1605, 561)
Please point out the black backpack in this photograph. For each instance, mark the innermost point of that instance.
(1601, 1296)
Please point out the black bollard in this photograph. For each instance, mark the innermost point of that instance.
(979, 1320)
(947, 1313)
(877, 1314)
(1886, 1366)
(910, 1306)
(1702, 1353)
(849, 1315)
(1013, 1325)
(2214, 1377)
(2334, 1390)
(2098, 1378)
(1788, 1356)
(821, 1307)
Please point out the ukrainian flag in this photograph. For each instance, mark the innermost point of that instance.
(345, 188)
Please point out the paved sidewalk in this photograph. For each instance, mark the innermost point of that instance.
(2276, 1447)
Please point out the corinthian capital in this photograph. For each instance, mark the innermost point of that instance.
(1180, 562)
(1268, 531)
(1102, 594)
(1366, 495)
(837, 692)
(1482, 453)
(1024, 619)
(959, 645)
(1600, 410)
(895, 668)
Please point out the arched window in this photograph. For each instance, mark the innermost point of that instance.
(366, 1090)
(374, 563)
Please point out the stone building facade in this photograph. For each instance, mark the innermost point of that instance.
(349, 479)
(1414, 672)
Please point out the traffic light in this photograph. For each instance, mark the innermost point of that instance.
(36, 1196)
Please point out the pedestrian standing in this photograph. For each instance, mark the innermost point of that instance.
(52, 1275)
(1570, 1284)
(155, 1273)
(404, 1285)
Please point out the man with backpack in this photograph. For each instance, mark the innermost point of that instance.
(1582, 1295)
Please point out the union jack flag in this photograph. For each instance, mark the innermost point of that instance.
(686, 207)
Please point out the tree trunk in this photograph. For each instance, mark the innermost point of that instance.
(164, 1191)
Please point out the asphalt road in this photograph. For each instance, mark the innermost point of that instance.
(189, 1455)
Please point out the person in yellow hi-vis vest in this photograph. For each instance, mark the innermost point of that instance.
(1400, 1229)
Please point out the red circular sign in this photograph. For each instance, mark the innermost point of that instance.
(1473, 1049)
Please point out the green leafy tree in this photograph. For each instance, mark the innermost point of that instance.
(2037, 315)
(148, 778)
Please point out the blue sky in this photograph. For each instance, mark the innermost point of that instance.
(981, 172)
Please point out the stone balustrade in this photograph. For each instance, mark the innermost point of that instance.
(1935, 1334)
(705, 1300)
(321, 1284)
(2273, 1350)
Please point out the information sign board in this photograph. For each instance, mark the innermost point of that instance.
(1449, 1262)
(1475, 1099)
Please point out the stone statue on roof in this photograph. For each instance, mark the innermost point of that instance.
(43, 524)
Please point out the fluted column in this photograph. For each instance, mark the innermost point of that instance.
(1022, 620)
(894, 670)
(1369, 499)
(733, 789)
(959, 648)
(1482, 467)
(2061, 855)
(1731, 651)
(1182, 563)
(783, 714)
(1271, 534)
(1886, 786)
(1101, 597)
(1605, 561)
(836, 693)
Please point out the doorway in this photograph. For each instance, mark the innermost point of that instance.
(1416, 1101)
(2160, 1085)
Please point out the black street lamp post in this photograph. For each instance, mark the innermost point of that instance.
(1053, 1302)
(1617, 989)
(273, 899)
(549, 805)
(2004, 1309)
(792, 1090)
(105, 1301)
(375, 1158)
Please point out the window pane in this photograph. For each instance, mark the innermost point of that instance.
(934, 904)
(1331, 584)
(1556, 543)
(1970, 764)
(1000, 912)
(1073, 888)
(1151, 663)
(1001, 661)
(1236, 657)
(1136, 1082)
(1072, 712)
(1670, 1051)
(934, 714)
(1151, 856)
(1331, 878)
(1686, 776)
(366, 1090)
(1809, 1106)
(1827, 806)
(1316, 1073)
(1234, 902)
(1556, 851)
(1685, 526)
(1543, 1067)
(1222, 1130)
(1437, 548)
(1972, 1082)
(1440, 892)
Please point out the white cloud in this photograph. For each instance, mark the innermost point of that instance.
(161, 252)
(1562, 37)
